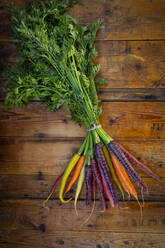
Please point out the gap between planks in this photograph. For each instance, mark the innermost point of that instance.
(80, 199)
(80, 138)
(11, 40)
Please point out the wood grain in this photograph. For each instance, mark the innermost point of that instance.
(125, 64)
(37, 186)
(120, 119)
(132, 21)
(33, 164)
(30, 214)
(50, 156)
(82, 239)
(143, 120)
(138, 20)
(118, 95)
(36, 145)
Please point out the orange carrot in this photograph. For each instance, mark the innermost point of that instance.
(76, 173)
(123, 177)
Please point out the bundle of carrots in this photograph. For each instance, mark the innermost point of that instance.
(56, 66)
(102, 162)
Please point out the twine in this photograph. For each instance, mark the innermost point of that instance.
(94, 127)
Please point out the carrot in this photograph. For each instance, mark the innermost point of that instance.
(115, 148)
(137, 163)
(76, 173)
(106, 189)
(88, 180)
(94, 184)
(123, 176)
(104, 167)
(107, 157)
(79, 165)
(53, 188)
(79, 186)
(69, 169)
(99, 181)
(67, 172)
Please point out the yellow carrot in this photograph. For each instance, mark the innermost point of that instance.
(79, 186)
(67, 172)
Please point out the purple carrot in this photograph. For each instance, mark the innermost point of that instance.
(55, 183)
(113, 146)
(88, 180)
(54, 187)
(99, 181)
(106, 189)
(104, 167)
(137, 163)
(94, 184)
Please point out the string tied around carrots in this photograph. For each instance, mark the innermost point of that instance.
(94, 127)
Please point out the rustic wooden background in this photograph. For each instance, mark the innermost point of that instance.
(35, 144)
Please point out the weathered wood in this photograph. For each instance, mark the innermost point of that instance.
(37, 186)
(132, 95)
(125, 64)
(30, 214)
(120, 95)
(5, 3)
(131, 21)
(84, 239)
(36, 145)
(120, 119)
(135, 20)
(132, 64)
(143, 120)
(31, 155)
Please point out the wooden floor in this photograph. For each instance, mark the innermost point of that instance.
(35, 145)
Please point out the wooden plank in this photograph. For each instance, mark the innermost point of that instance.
(125, 64)
(121, 119)
(132, 95)
(50, 156)
(132, 64)
(134, 20)
(30, 163)
(30, 214)
(81, 239)
(5, 3)
(37, 186)
(142, 120)
(34, 115)
(121, 95)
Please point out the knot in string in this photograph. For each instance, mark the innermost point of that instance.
(94, 127)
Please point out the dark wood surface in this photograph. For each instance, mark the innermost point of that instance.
(35, 145)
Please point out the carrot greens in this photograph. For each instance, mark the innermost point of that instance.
(56, 65)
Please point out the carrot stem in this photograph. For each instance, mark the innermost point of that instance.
(95, 137)
(106, 137)
(80, 151)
